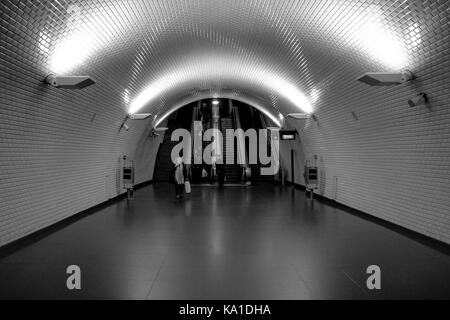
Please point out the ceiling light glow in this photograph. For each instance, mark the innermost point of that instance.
(365, 30)
(158, 119)
(251, 75)
(84, 38)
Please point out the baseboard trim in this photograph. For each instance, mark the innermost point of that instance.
(411, 234)
(44, 232)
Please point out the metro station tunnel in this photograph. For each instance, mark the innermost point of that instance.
(225, 149)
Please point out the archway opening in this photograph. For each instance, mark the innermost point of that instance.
(220, 141)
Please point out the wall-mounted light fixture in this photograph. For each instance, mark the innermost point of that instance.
(140, 116)
(386, 78)
(69, 82)
(299, 116)
(421, 98)
(157, 131)
(136, 116)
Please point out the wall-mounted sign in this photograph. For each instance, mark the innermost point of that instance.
(128, 173)
(311, 175)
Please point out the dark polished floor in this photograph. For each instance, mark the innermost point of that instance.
(260, 242)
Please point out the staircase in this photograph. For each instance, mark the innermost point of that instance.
(232, 171)
(164, 164)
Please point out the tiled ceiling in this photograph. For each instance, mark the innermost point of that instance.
(279, 55)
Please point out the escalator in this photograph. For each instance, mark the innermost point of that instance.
(253, 118)
(238, 115)
(232, 169)
(181, 119)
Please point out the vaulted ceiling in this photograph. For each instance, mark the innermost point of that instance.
(281, 56)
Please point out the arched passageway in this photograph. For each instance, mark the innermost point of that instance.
(382, 151)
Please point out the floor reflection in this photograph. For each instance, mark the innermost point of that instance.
(261, 242)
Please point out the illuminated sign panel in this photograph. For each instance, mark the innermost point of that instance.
(288, 134)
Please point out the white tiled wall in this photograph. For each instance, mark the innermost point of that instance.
(394, 161)
(60, 149)
(60, 153)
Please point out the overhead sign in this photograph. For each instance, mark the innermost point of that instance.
(288, 135)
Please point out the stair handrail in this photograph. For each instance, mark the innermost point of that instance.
(280, 158)
(242, 154)
(195, 112)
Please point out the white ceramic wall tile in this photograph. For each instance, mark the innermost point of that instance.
(59, 149)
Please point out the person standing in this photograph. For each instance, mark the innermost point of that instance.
(220, 167)
(179, 176)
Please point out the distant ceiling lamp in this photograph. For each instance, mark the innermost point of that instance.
(160, 129)
(386, 78)
(215, 102)
(140, 116)
(69, 82)
(299, 116)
